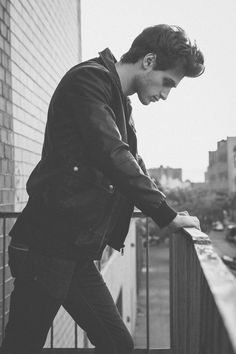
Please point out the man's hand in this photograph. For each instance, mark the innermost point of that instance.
(183, 219)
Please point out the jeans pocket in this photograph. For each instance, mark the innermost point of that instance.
(19, 262)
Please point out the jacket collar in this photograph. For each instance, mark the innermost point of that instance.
(109, 61)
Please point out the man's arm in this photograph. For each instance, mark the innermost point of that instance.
(89, 98)
(182, 219)
(142, 165)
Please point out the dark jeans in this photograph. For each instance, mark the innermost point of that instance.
(42, 285)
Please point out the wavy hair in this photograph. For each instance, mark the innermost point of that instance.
(172, 48)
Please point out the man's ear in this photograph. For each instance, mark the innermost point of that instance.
(149, 61)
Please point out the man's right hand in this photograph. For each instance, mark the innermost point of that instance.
(183, 219)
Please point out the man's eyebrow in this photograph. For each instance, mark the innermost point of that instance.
(169, 82)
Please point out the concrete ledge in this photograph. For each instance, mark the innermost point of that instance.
(203, 296)
(220, 280)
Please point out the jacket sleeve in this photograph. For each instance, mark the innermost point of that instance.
(142, 165)
(89, 97)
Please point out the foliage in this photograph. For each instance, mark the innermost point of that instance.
(207, 205)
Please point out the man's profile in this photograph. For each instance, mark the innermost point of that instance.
(83, 191)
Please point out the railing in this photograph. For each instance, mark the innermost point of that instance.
(4, 218)
(202, 297)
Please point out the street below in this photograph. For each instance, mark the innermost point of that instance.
(223, 247)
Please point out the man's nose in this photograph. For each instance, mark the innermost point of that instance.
(164, 94)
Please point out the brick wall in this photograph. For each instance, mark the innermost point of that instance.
(6, 152)
(39, 42)
(44, 44)
(6, 122)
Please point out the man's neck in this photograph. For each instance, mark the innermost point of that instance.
(126, 73)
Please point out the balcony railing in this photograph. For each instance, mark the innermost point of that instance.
(202, 296)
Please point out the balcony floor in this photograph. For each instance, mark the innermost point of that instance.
(91, 351)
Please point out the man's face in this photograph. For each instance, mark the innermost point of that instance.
(152, 85)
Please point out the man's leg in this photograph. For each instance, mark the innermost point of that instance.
(32, 309)
(31, 314)
(90, 304)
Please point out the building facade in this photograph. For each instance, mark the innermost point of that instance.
(167, 177)
(221, 171)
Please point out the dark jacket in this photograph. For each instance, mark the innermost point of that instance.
(90, 175)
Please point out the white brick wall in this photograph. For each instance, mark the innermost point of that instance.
(45, 43)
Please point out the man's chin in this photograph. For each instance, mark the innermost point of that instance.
(145, 102)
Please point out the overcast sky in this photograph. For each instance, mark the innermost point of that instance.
(178, 132)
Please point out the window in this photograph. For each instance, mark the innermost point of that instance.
(234, 152)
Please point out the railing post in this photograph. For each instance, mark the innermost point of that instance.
(147, 287)
(76, 335)
(51, 336)
(185, 296)
(3, 276)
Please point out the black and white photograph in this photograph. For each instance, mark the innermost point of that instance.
(117, 177)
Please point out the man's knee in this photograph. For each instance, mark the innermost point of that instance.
(130, 345)
(126, 344)
(121, 344)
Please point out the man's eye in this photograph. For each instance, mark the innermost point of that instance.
(168, 83)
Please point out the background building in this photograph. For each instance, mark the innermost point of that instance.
(221, 171)
(39, 42)
(168, 177)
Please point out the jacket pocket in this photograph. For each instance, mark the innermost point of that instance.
(19, 263)
(80, 198)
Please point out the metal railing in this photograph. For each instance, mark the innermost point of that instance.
(138, 214)
(202, 296)
(4, 217)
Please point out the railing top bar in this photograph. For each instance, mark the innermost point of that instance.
(198, 236)
(9, 214)
(221, 281)
(14, 214)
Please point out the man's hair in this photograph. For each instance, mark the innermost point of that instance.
(172, 48)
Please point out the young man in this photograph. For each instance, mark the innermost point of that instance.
(82, 192)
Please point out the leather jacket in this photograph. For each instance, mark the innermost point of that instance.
(90, 175)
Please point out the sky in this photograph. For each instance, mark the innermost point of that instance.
(180, 131)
